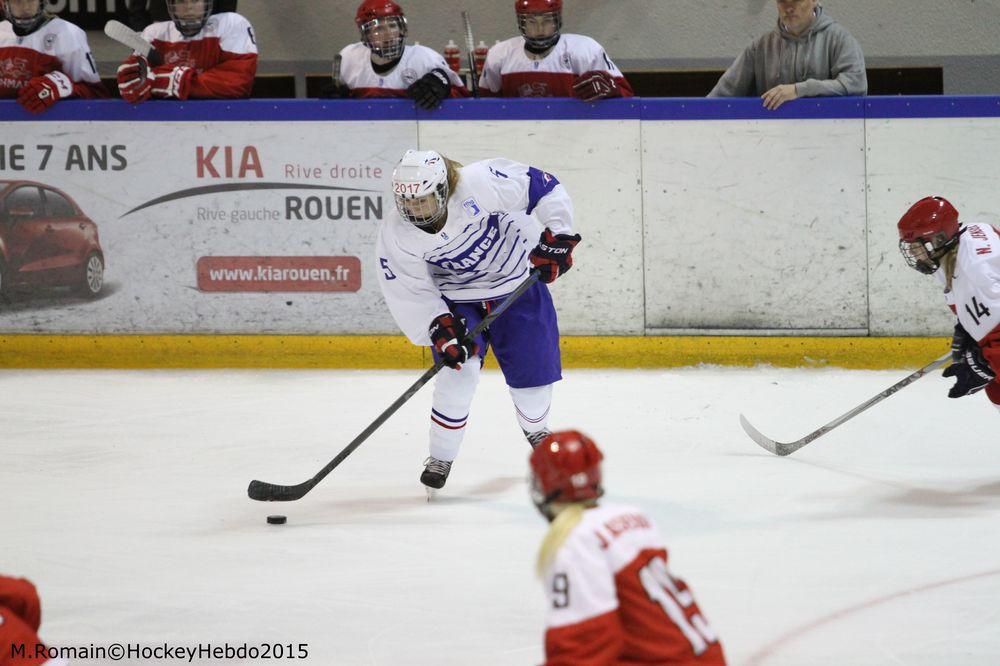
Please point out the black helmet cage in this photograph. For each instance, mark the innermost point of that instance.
(189, 27)
(25, 26)
(925, 253)
(395, 49)
(540, 43)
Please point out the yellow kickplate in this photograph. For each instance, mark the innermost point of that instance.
(363, 351)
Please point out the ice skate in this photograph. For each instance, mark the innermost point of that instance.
(435, 474)
(535, 437)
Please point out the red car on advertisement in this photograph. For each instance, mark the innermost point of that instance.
(46, 240)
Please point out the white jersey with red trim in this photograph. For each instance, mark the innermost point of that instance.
(481, 253)
(57, 46)
(223, 55)
(975, 289)
(613, 600)
(511, 71)
(975, 294)
(357, 73)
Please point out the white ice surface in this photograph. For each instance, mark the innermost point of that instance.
(125, 501)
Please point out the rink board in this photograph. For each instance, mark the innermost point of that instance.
(698, 216)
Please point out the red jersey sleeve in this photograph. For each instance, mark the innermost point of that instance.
(233, 76)
(991, 350)
(596, 58)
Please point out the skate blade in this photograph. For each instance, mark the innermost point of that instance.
(431, 493)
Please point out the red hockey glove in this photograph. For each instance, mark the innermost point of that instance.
(595, 85)
(172, 82)
(553, 255)
(135, 81)
(42, 92)
(448, 337)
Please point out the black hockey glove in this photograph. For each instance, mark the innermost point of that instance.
(430, 89)
(553, 255)
(448, 334)
(971, 370)
(334, 90)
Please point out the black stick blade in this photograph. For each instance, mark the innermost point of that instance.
(270, 492)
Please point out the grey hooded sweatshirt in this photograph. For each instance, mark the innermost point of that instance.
(825, 61)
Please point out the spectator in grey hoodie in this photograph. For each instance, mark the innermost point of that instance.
(807, 55)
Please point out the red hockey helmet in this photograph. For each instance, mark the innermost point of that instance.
(537, 6)
(539, 36)
(927, 232)
(387, 15)
(565, 467)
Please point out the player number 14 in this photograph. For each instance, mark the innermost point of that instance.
(977, 310)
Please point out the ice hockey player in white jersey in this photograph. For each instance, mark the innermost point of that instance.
(205, 56)
(44, 59)
(966, 260)
(544, 62)
(612, 597)
(382, 65)
(460, 240)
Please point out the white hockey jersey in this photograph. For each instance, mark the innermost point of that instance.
(223, 55)
(613, 600)
(510, 72)
(357, 73)
(482, 251)
(57, 46)
(975, 289)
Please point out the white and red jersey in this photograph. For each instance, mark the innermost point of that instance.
(223, 55)
(511, 71)
(57, 46)
(357, 73)
(975, 293)
(612, 598)
(20, 616)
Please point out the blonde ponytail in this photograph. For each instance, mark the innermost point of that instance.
(948, 266)
(453, 168)
(559, 530)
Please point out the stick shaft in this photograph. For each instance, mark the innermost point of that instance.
(263, 491)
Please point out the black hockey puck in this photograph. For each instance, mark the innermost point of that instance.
(277, 520)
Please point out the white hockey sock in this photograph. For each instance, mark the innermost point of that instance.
(453, 391)
(532, 407)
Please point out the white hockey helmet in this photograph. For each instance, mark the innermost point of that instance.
(420, 186)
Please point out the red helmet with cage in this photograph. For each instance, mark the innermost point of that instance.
(565, 467)
(927, 232)
(545, 17)
(382, 25)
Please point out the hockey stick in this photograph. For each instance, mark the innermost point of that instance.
(122, 34)
(470, 46)
(336, 69)
(785, 448)
(270, 492)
